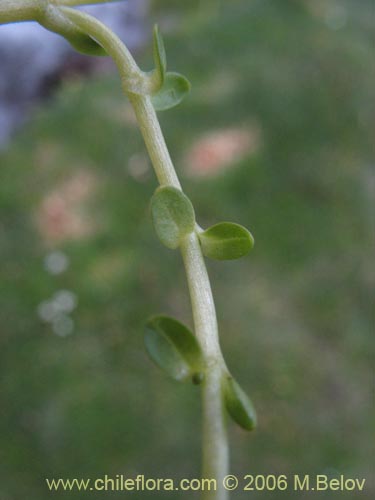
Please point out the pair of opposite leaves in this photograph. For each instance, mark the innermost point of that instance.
(175, 349)
(174, 218)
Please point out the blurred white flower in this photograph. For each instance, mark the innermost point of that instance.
(63, 325)
(64, 301)
(56, 262)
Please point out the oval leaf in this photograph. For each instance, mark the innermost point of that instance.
(160, 57)
(172, 214)
(174, 89)
(238, 404)
(226, 241)
(174, 348)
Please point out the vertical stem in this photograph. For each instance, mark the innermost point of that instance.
(215, 460)
(201, 299)
(215, 442)
(154, 140)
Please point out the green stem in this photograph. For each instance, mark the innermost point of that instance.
(215, 439)
(133, 83)
(136, 84)
(21, 10)
(215, 444)
(154, 140)
(132, 78)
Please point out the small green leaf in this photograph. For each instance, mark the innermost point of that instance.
(174, 348)
(238, 404)
(86, 45)
(172, 214)
(226, 241)
(160, 57)
(174, 89)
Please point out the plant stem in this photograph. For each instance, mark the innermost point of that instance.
(21, 10)
(135, 83)
(215, 445)
(154, 140)
(215, 442)
(215, 461)
(132, 77)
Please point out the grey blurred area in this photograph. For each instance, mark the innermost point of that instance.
(33, 60)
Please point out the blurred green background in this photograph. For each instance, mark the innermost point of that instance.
(277, 135)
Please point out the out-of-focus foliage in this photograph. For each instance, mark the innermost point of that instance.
(297, 77)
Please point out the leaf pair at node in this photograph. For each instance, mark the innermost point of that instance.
(170, 88)
(174, 218)
(167, 89)
(174, 348)
(237, 403)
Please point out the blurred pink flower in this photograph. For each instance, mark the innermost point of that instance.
(218, 150)
(63, 213)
